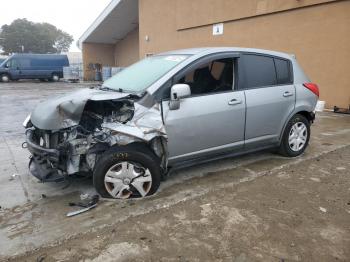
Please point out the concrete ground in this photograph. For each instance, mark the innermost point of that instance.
(259, 207)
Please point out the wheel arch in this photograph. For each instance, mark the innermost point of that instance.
(57, 73)
(310, 116)
(7, 74)
(136, 145)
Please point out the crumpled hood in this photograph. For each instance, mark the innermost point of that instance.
(65, 111)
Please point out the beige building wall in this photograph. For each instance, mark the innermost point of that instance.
(96, 53)
(121, 54)
(126, 51)
(317, 31)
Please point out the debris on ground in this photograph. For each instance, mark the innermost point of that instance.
(41, 258)
(13, 177)
(341, 168)
(84, 196)
(88, 204)
(323, 209)
(315, 179)
(341, 110)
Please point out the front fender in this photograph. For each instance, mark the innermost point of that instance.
(146, 124)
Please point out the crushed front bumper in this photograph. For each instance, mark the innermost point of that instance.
(44, 161)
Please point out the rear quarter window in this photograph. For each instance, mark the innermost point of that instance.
(259, 71)
(283, 70)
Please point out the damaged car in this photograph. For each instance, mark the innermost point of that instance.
(171, 111)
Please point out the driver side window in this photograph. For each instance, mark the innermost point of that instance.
(212, 77)
(12, 64)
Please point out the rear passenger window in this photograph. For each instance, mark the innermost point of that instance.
(260, 71)
(283, 71)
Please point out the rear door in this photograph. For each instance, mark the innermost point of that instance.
(270, 97)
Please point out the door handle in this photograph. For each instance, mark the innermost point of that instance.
(235, 102)
(287, 94)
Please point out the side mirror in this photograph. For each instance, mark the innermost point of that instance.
(177, 92)
(7, 66)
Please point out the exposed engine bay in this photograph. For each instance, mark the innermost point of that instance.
(102, 124)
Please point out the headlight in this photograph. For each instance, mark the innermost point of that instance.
(26, 121)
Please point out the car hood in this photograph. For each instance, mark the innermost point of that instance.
(65, 111)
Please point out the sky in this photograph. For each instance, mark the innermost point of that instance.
(71, 16)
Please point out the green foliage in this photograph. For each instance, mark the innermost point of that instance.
(34, 37)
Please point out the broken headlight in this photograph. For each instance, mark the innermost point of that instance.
(27, 122)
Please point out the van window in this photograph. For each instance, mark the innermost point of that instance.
(283, 71)
(259, 71)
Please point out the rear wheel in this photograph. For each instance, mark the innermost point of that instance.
(296, 136)
(5, 78)
(127, 172)
(55, 78)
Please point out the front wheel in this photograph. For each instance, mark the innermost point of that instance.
(296, 137)
(5, 78)
(127, 172)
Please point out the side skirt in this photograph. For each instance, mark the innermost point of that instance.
(208, 159)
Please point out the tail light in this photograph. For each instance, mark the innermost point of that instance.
(313, 88)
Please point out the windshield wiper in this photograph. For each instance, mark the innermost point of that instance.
(105, 88)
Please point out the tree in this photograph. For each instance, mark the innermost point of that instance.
(25, 36)
(63, 42)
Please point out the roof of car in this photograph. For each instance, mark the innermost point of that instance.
(212, 50)
(38, 55)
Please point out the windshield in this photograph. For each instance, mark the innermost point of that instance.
(144, 73)
(2, 61)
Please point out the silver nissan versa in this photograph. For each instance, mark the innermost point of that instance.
(170, 111)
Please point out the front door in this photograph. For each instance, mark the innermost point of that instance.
(13, 68)
(212, 119)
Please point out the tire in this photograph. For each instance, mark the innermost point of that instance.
(296, 136)
(5, 78)
(127, 172)
(55, 77)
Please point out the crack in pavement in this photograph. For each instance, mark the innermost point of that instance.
(25, 191)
